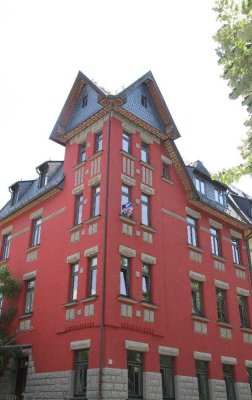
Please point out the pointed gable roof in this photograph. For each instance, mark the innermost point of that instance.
(74, 117)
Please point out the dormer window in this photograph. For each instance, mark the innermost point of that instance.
(144, 101)
(14, 195)
(200, 185)
(84, 102)
(219, 196)
(43, 179)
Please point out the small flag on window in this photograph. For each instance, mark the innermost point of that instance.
(127, 209)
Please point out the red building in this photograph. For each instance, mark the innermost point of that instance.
(135, 268)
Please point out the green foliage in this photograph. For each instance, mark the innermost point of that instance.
(8, 285)
(234, 51)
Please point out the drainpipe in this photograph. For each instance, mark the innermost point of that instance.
(249, 236)
(105, 232)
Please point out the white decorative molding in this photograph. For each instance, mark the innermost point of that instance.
(73, 258)
(242, 292)
(166, 160)
(221, 284)
(78, 189)
(60, 211)
(147, 189)
(92, 251)
(37, 214)
(235, 234)
(136, 346)
(229, 360)
(80, 344)
(192, 213)
(248, 363)
(95, 180)
(168, 351)
(146, 137)
(197, 277)
(215, 224)
(7, 230)
(146, 258)
(29, 275)
(127, 251)
(202, 356)
(127, 180)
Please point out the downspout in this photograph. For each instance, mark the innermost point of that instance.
(104, 255)
(249, 236)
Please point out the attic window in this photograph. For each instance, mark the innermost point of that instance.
(84, 101)
(144, 101)
(43, 178)
(14, 195)
(219, 196)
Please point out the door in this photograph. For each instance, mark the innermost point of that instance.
(22, 365)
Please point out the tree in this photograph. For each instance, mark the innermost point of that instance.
(234, 50)
(9, 288)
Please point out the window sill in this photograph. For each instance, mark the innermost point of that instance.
(148, 228)
(24, 316)
(200, 318)
(32, 248)
(195, 248)
(147, 165)
(88, 299)
(124, 153)
(225, 324)
(99, 153)
(148, 305)
(79, 165)
(167, 180)
(244, 329)
(219, 258)
(93, 219)
(75, 227)
(126, 299)
(71, 303)
(239, 266)
(129, 220)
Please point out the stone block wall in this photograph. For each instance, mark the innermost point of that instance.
(152, 386)
(243, 391)
(217, 389)
(186, 388)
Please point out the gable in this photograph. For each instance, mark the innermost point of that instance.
(134, 105)
(80, 113)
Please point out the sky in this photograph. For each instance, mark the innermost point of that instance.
(45, 43)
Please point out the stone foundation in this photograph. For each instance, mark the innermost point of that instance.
(186, 388)
(242, 391)
(152, 386)
(217, 389)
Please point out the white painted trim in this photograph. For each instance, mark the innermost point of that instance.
(73, 258)
(136, 346)
(221, 284)
(242, 292)
(80, 344)
(29, 275)
(146, 258)
(168, 351)
(92, 251)
(202, 356)
(127, 251)
(229, 360)
(197, 277)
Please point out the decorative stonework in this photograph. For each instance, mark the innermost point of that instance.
(147, 259)
(219, 265)
(186, 388)
(136, 346)
(70, 314)
(92, 251)
(197, 277)
(25, 325)
(192, 213)
(172, 214)
(128, 167)
(152, 386)
(242, 292)
(200, 327)
(225, 333)
(37, 214)
(73, 258)
(166, 160)
(79, 178)
(127, 229)
(29, 275)
(247, 337)
(229, 360)
(127, 251)
(32, 256)
(147, 189)
(127, 180)
(92, 229)
(95, 180)
(217, 389)
(221, 284)
(168, 351)
(202, 356)
(215, 224)
(80, 344)
(95, 167)
(148, 316)
(55, 214)
(147, 176)
(79, 189)
(240, 274)
(7, 230)
(89, 310)
(243, 391)
(147, 237)
(235, 234)
(195, 256)
(126, 310)
(75, 237)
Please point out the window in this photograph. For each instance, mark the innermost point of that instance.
(200, 186)
(43, 177)
(202, 377)
(249, 372)
(6, 247)
(126, 205)
(1, 304)
(197, 302)
(219, 196)
(221, 305)
(92, 276)
(135, 374)
(146, 283)
(36, 232)
(78, 209)
(144, 152)
(236, 251)
(192, 231)
(215, 243)
(124, 276)
(228, 372)
(243, 309)
(145, 209)
(98, 142)
(84, 101)
(96, 201)
(144, 101)
(82, 153)
(80, 373)
(167, 375)
(165, 171)
(126, 142)
(29, 298)
(14, 194)
(74, 282)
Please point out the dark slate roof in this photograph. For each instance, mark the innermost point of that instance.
(29, 191)
(242, 202)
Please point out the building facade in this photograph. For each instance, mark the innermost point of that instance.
(135, 267)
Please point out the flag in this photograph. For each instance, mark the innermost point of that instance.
(127, 209)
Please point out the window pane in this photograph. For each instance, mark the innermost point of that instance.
(134, 365)
(167, 375)
(144, 152)
(126, 142)
(80, 378)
